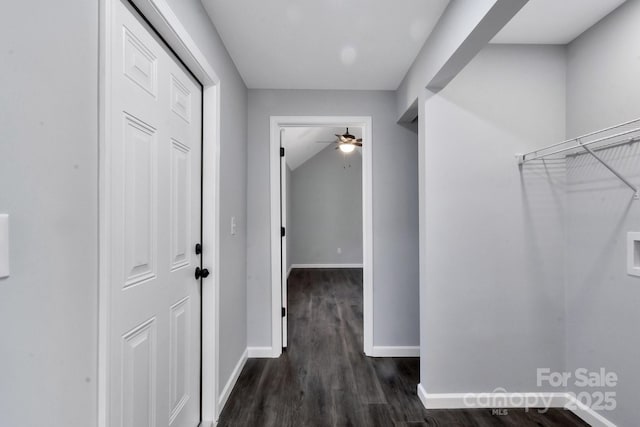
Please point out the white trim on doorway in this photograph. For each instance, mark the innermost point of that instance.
(166, 23)
(278, 122)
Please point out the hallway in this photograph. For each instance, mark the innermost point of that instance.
(323, 379)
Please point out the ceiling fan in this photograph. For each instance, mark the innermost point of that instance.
(347, 142)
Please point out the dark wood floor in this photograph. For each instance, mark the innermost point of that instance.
(324, 379)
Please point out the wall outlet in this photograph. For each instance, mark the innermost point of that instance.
(234, 227)
(339, 251)
(633, 254)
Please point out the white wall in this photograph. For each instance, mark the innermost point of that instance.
(602, 300)
(326, 209)
(233, 184)
(48, 184)
(395, 208)
(492, 295)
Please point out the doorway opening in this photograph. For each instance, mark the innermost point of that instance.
(287, 133)
(321, 195)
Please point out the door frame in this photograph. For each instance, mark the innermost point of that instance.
(276, 123)
(166, 23)
(284, 248)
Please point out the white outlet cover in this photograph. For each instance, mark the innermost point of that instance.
(4, 245)
(633, 253)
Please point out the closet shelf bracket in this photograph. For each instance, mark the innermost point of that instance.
(636, 194)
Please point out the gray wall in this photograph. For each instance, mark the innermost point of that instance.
(289, 204)
(602, 300)
(492, 299)
(326, 213)
(48, 184)
(395, 208)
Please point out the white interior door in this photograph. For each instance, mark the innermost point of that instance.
(154, 182)
(283, 221)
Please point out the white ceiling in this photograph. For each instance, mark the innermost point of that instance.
(554, 21)
(365, 44)
(324, 44)
(302, 143)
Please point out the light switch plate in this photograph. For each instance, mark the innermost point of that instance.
(633, 254)
(4, 245)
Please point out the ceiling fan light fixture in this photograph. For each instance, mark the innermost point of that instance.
(347, 147)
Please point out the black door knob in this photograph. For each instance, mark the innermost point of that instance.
(201, 273)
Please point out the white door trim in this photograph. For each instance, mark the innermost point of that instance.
(283, 241)
(367, 218)
(166, 23)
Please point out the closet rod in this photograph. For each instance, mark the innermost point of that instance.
(610, 145)
(523, 157)
(582, 136)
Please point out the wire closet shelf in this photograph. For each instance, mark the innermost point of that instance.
(591, 143)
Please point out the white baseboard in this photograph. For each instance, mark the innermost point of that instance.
(491, 400)
(226, 392)
(260, 352)
(512, 400)
(407, 351)
(587, 414)
(422, 395)
(326, 266)
(206, 423)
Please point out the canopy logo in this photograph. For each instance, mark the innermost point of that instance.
(600, 399)
(578, 389)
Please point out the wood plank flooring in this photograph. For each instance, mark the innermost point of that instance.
(324, 379)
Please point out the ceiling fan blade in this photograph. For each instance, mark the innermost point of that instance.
(357, 144)
(359, 140)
